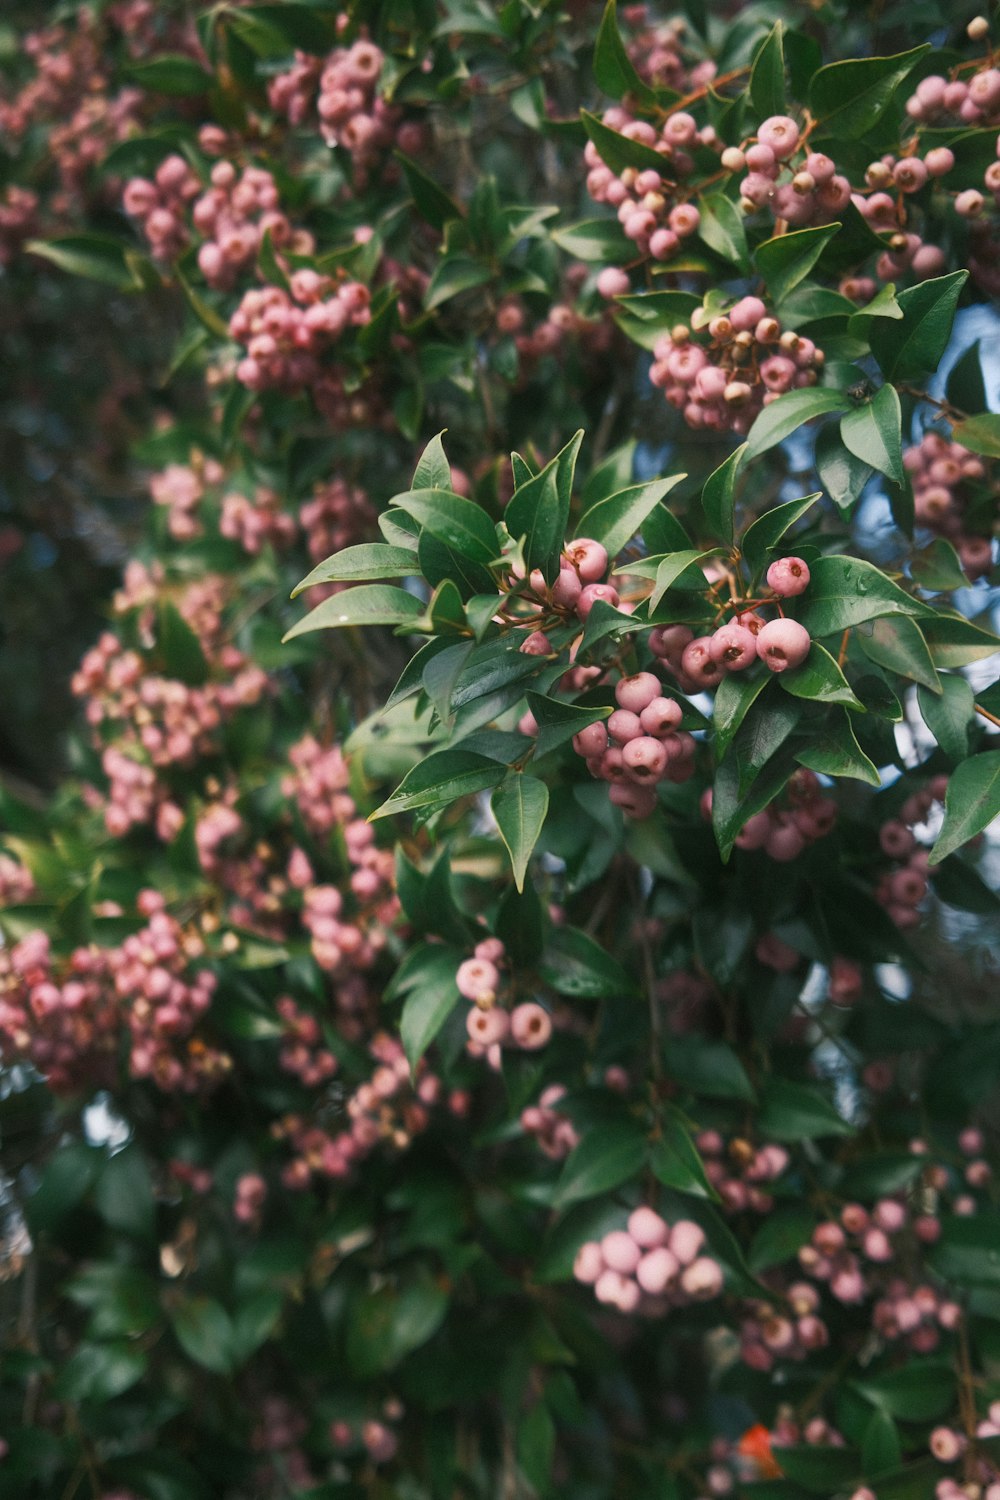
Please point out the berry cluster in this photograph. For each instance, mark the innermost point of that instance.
(794, 184)
(374, 1435)
(234, 217)
(651, 205)
(947, 481)
(528, 1026)
(342, 91)
(302, 1052)
(19, 220)
(287, 333)
(749, 362)
(248, 1202)
(161, 206)
(554, 1134)
(740, 1172)
(902, 890)
(783, 833)
(650, 1266)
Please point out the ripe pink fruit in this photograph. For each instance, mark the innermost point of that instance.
(647, 1228)
(657, 1270)
(589, 559)
(697, 663)
(733, 647)
(702, 1279)
(644, 758)
(783, 644)
(477, 979)
(661, 717)
(686, 1240)
(788, 576)
(590, 594)
(637, 692)
(620, 1251)
(530, 1026)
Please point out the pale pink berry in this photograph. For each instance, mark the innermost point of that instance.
(477, 979)
(590, 594)
(783, 644)
(591, 741)
(686, 1240)
(781, 134)
(661, 717)
(647, 1228)
(635, 801)
(733, 647)
(645, 758)
(788, 576)
(656, 1270)
(589, 559)
(702, 1279)
(637, 692)
(589, 1262)
(624, 725)
(530, 1026)
(487, 1027)
(566, 589)
(697, 663)
(620, 1251)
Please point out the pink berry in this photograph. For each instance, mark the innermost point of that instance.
(733, 647)
(620, 1251)
(647, 1228)
(656, 1270)
(781, 134)
(590, 594)
(686, 1240)
(637, 692)
(645, 758)
(589, 559)
(530, 1026)
(783, 644)
(788, 576)
(661, 717)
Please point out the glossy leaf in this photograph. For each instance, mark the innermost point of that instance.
(764, 534)
(366, 560)
(722, 229)
(788, 413)
(909, 347)
(574, 964)
(442, 778)
(519, 806)
(558, 721)
(848, 98)
(971, 803)
(767, 76)
(613, 68)
(674, 1159)
(616, 519)
(786, 260)
(949, 714)
(616, 150)
(798, 1111)
(846, 591)
(833, 750)
(603, 1160)
(718, 495)
(874, 433)
(981, 434)
(898, 643)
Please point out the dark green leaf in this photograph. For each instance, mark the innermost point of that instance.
(787, 259)
(780, 1237)
(205, 1332)
(767, 76)
(433, 471)
(616, 150)
(616, 519)
(574, 964)
(874, 433)
(733, 698)
(432, 202)
(760, 539)
(971, 803)
(613, 68)
(123, 1195)
(949, 714)
(821, 1470)
(603, 1160)
(917, 1392)
(981, 434)
(100, 1372)
(461, 524)
(442, 778)
(519, 806)
(96, 257)
(722, 230)
(718, 496)
(599, 240)
(834, 751)
(558, 721)
(452, 276)
(798, 1111)
(898, 644)
(819, 679)
(789, 412)
(846, 591)
(707, 1068)
(387, 1324)
(171, 74)
(848, 98)
(367, 560)
(674, 1158)
(369, 604)
(909, 347)
(954, 641)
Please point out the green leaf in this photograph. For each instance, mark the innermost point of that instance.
(616, 519)
(123, 1195)
(616, 150)
(898, 644)
(767, 75)
(782, 417)
(881, 1450)
(367, 560)
(908, 348)
(916, 1392)
(954, 641)
(433, 471)
(981, 434)
(882, 305)
(718, 495)
(746, 781)
(179, 647)
(539, 510)
(846, 591)
(574, 964)
(965, 387)
(820, 679)
(967, 1251)
(369, 604)
(433, 204)
(603, 1160)
(834, 751)
(558, 721)
(674, 1158)
(601, 241)
(440, 676)
(456, 274)
(820, 1470)
(760, 538)
(387, 1324)
(848, 98)
(122, 1301)
(256, 1320)
(430, 1001)
(949, 714)
(780, 1237)
(171, 73)
(461, 524)
(874, 433)
(100, 1372)
(204, 1331)
(709, 1069)
(971, 803)
(427, 898)
(442, 778)
(211, 320)
(536, 1441)
(734, 697)
(841, 474)
(670, 570)
(937, 567)
(613, 68)
(722, 230)
(787, 259)
(519, 806)
(798, 1111)
(96, 257)
(521, 925)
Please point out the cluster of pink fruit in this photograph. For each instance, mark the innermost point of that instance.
(651, 203)
(945, 478)
(286, 333)
(528, 1026)
(650, 1266)
(303, 1052)
(902, 890)
(812, 192)
(375, 1435)
(749, 362)
(342, 90)
(980, 1471)
(740, 1172)
(554, 1133)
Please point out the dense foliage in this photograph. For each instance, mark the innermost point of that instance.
(520, 1019)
